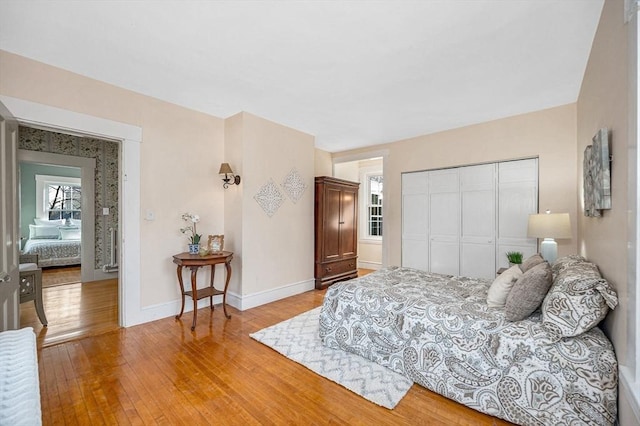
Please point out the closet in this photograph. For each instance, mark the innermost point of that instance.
(463, 220)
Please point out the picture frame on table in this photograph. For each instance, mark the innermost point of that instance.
(216, 243)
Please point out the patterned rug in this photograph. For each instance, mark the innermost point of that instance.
(297, 339)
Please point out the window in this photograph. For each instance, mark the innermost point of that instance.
(374, 206)
(59, 197)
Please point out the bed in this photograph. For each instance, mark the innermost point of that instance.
(439, 331)
(54, 252)
(56, 242)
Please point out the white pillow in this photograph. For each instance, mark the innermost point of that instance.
(47, 222)
(70, 234)
(499, 290)
(43, 232)
(76, 222)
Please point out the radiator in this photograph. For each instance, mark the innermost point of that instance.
(113, 256)
(19, 384)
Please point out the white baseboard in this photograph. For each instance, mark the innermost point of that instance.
(631, 392)
(99, 274)
(242, 303)
(261, 298)
(369, 265)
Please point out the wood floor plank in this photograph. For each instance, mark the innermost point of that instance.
(162, 373)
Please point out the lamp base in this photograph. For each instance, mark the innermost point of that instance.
(549, 250)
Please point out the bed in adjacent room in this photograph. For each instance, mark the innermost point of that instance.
(55, 245)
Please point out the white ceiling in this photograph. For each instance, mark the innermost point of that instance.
(352, 73)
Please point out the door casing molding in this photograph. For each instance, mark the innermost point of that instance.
(130, 137)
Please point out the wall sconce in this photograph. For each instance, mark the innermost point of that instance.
(549, 226)
(229, 178)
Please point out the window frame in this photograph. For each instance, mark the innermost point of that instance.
(44, 181)
(365, 178)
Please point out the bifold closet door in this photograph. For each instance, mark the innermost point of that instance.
(478, 221)
(415, 220)
(444, 221)
(518, 198)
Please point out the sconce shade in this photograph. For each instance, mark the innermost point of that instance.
(225, 168)
(229, 178)
(549, 225)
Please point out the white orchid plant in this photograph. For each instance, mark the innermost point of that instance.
(190, 229)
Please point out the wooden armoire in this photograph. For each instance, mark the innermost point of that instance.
(336, 230)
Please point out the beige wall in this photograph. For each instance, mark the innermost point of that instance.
(323, 163)
(605, 100)
(276, 251)
(548, 134)
(180, 154)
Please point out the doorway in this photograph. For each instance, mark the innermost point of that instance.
(81, 258)
(369, 172)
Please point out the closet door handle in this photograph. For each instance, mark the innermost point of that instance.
(5, 279)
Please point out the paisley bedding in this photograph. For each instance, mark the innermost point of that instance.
(54, 252)
(439, 331)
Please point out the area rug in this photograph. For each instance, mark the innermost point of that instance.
(298, 339)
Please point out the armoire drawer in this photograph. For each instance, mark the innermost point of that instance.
(337, 268)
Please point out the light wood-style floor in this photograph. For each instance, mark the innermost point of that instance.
(162, 373)
(73, 310)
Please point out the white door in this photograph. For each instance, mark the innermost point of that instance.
(9, 274)
(477, 233)
(444, 221)
(415, 220)
(518, 198)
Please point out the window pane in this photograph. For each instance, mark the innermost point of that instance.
(374, 209)
(63, 201)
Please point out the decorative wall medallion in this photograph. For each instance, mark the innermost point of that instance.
(294, 185)
(269, 198)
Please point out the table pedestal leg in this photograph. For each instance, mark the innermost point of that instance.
(227, 266)
(194, 295)
(181, 291)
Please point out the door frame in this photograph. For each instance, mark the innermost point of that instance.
(87, 168)
(57, 119)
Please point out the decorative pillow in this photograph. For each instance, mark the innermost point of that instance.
(531, 261)
(528, 292)
(76, 222)
(497, 295)
(39, 232)
(70, 234)
(579, 299)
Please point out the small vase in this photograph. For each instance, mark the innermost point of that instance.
(194, 248)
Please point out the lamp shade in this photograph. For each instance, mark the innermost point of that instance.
(225, 168)
(549, 225)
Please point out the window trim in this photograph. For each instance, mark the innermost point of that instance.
(365, 173)
(44, 180)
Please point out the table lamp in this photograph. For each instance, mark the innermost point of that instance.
(549, 226)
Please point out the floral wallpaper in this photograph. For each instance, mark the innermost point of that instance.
(106, 176)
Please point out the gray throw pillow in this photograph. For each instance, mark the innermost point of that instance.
(528, 292)
(531, 261)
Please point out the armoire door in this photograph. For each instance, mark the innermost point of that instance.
(444, 222)
(347, 222)
(332, 218)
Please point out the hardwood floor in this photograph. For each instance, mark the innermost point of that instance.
(73, 310)
(162, 373)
